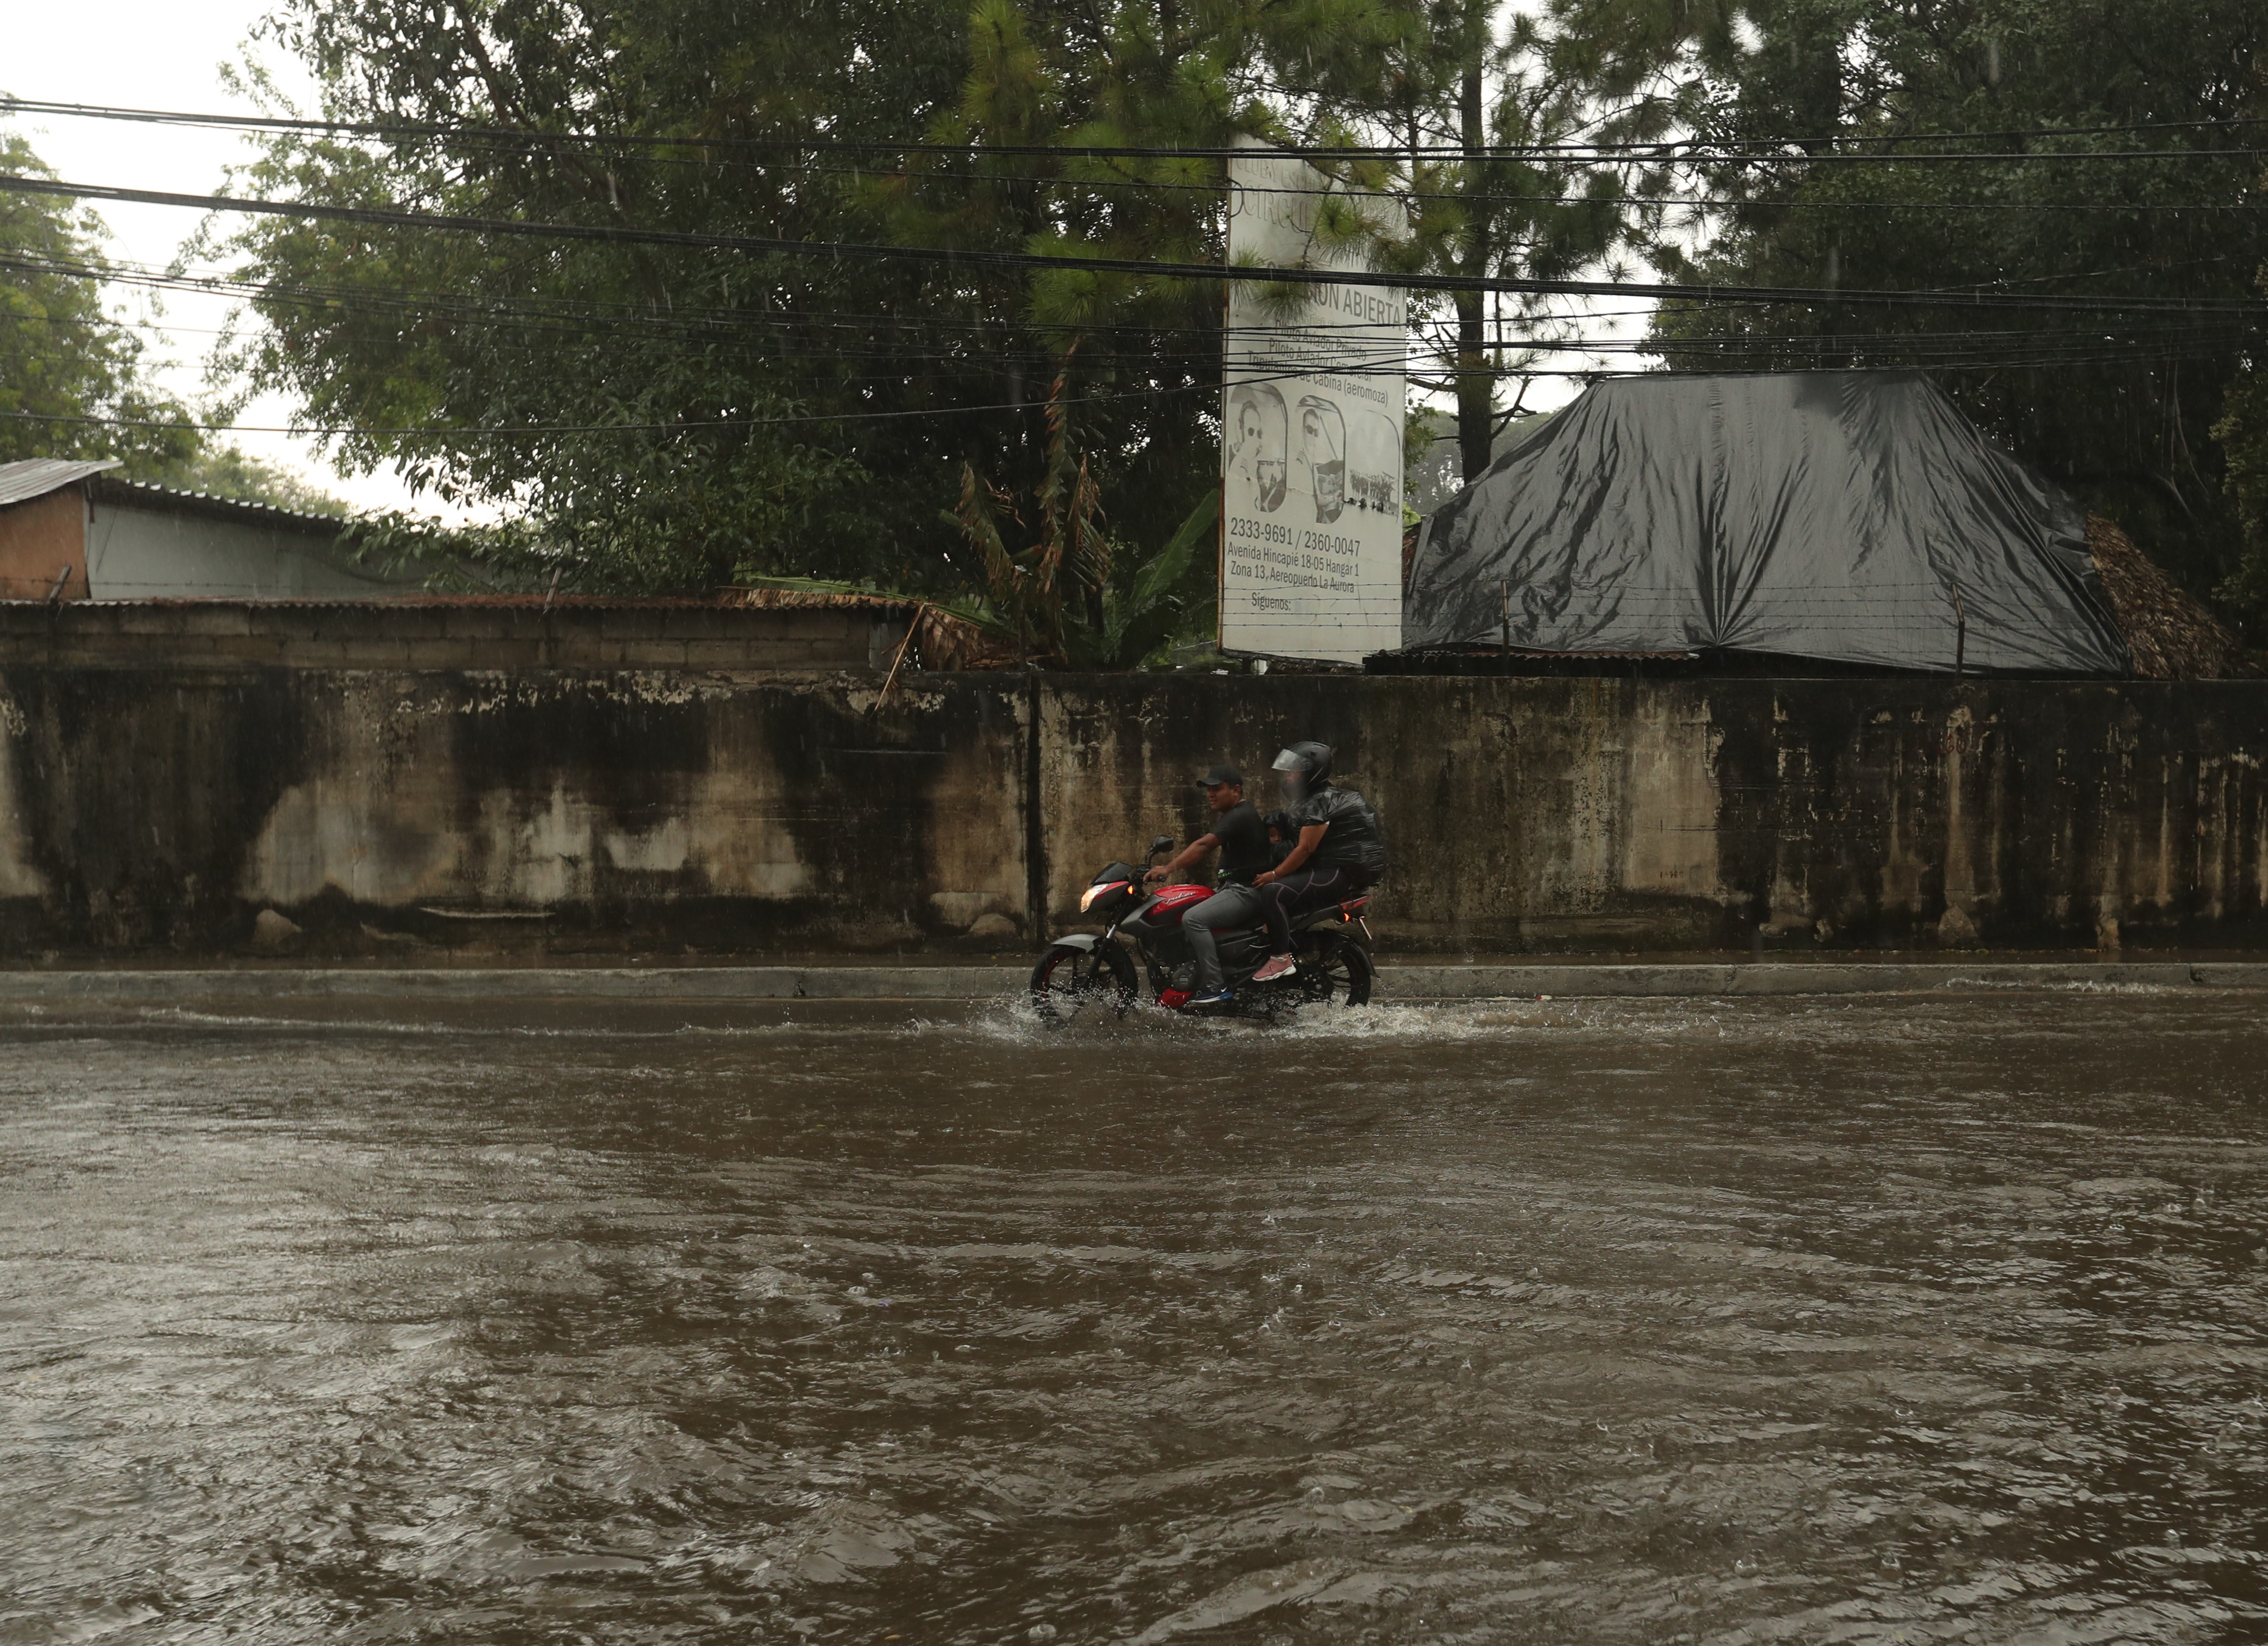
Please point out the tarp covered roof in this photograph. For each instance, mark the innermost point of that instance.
(1852, 516)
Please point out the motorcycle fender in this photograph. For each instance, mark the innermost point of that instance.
(1078, 939)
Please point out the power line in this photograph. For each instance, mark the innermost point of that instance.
(972, 259)
(1215, 186)
(547, 429)
(1687, 149)
(1198, 353)
(722, 325)
(1355, 369)
(2074, 352)
(1206, 354)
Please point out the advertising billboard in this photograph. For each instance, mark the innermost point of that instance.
(1311, 427)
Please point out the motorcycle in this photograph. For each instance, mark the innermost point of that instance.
(1084, 969)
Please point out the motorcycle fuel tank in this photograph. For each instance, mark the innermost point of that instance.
(1164, 910)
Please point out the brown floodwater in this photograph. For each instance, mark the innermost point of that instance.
(1894, 1319)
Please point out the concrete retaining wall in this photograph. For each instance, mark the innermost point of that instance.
(535, 810)
(273, 984)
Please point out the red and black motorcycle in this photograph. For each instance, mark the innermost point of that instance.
(1087, 971)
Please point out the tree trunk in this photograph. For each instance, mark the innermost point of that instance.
(1476, 378)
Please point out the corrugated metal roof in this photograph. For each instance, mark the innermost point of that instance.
(142, 495)
(36, 477)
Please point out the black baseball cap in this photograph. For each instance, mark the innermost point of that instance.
(1221, 774)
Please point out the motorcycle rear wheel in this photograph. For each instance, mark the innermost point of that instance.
(1336, 974)
(1070, 979)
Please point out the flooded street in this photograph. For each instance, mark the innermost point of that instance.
(1917, 1320)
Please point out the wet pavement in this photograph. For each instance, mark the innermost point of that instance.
(1893, 1319)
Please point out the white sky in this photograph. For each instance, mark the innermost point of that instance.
(146, 53)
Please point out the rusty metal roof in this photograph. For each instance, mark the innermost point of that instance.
(36, 477)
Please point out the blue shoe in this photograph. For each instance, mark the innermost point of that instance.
(1212, 998)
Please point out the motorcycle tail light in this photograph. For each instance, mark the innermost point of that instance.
(1087, 901)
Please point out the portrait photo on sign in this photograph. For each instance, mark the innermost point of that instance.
(1255, 454)
(1321, 466)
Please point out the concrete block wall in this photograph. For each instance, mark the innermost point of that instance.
(544, 810)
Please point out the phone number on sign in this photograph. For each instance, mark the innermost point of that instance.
(1259, 531)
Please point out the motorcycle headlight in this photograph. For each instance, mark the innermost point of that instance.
(1107, 886)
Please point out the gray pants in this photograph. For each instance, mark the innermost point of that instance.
(1230, 907)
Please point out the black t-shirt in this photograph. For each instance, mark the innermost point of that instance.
(1244, 842)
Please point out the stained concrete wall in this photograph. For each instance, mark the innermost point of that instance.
(552, 809)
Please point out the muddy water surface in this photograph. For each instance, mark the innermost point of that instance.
(1889, 1320)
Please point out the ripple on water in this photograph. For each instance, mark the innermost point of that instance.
(1935, 1318)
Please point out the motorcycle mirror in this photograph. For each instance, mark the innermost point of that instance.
(1163, 843)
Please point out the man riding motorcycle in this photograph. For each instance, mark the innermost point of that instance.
(1339, 851)
(1242, 839)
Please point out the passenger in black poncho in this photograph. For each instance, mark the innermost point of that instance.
(1339, 852)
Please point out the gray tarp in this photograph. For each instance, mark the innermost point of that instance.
(1827, 514)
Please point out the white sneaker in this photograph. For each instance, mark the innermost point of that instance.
(1275, 966)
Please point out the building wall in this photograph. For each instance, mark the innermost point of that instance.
(136, 553)
(539, 810)
(38, 540)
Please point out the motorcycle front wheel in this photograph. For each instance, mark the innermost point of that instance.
(1071, 979)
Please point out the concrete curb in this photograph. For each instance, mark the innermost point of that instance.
(526, 983)
(1413, 982)
(1766, 977)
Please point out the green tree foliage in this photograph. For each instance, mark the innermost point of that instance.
(1478, 74)
(659, 412)
(788, 416)
(1129, 422)
(71, 377)
(777, 414)
(2120, 407)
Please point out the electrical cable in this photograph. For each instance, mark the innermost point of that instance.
(1207, 349)
(1701, 202)
(1657, 149)
(955, 258)
(2077, 357)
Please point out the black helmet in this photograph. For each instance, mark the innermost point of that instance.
(1305, 767)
